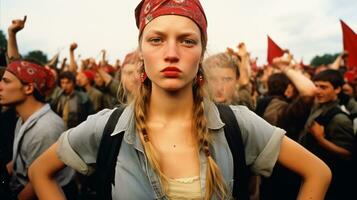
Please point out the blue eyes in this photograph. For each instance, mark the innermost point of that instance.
(186, 42)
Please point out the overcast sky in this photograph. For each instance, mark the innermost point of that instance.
(306, 27)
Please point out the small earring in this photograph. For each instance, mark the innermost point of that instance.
(200, 80)
(143, 77)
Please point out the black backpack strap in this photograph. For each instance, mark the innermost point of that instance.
(324, 119)
(107, 156)
(235, 142)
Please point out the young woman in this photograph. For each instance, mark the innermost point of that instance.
(174, 145)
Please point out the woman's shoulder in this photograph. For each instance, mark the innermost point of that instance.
(85, 138)
(244, 115)
(96, 123)
(101, 117)
(252, 124)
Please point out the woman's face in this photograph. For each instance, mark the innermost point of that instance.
(171, 48)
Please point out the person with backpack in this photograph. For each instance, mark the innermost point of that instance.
(175, 144)
(329, 134)
(287, 105)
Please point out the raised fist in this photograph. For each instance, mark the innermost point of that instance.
(17, 25)
(73, 46)
(284, 61)
(242, 50)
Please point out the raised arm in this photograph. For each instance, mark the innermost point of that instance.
(103, 62)
(243, 62)
(338, 61)
(73, 67)
(244, 65)
(316, 175)
(41, 174)
(105, 76)
(63, 64)
(303, 84)
(12, 48)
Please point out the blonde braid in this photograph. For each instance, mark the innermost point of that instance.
(141, 102)
(215, 183)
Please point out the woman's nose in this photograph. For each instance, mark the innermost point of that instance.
(172, 54)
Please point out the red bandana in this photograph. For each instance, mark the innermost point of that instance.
(28, 72)
(90, 74)
(148, 10)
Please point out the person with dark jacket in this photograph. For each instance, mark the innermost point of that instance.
(287, 105)
(329, 134)
(72, 105)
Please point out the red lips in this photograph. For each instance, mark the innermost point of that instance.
(171, 72)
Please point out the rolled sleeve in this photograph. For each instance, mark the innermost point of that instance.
(66, 153)
(78, 147)
(261, 140)
(266, 160)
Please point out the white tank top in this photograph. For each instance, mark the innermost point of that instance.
(184, 188)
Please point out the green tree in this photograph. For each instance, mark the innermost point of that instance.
(37, 55)
(324, 59)
(3, 41)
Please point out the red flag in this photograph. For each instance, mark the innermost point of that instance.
(350, 45)
(274, 51)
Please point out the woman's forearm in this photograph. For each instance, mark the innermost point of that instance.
(315, 174)
(314, 187)
(41, 174)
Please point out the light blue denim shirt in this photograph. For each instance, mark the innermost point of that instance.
(134, 177)
(33, 137)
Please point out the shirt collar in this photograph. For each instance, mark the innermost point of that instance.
(126, 122)
(35, 116)
(214, 121)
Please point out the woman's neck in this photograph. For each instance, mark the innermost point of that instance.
(170, 105)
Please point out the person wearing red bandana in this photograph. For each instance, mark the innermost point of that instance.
(174, 142)
(85, 80)
(24, 86)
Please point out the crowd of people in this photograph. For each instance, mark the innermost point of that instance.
(296, 123)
